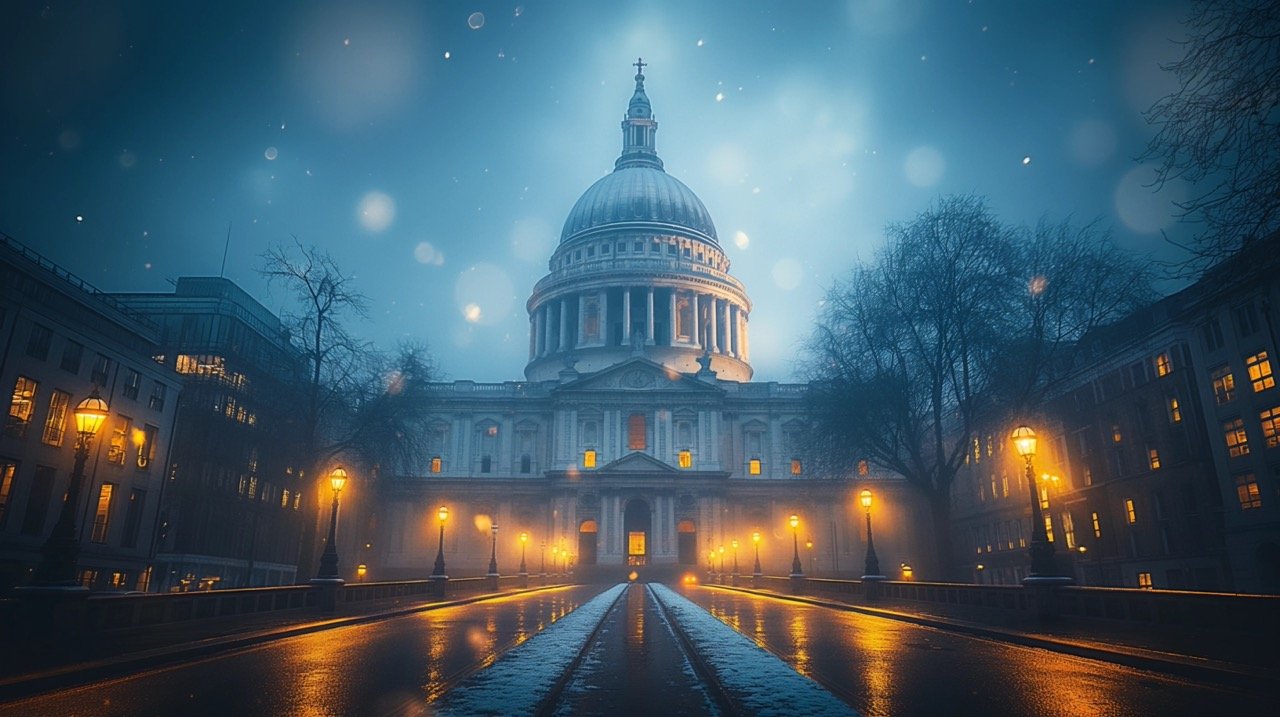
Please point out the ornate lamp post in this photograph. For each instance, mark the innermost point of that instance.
(58, 556)
(493, 552)
(796, 569)
(542, 559)
(813, 559)
(1043, 568)
(711, 561)
(755, 538)
(524, 542)
(871, 569)
(329, 559)
(438, 571)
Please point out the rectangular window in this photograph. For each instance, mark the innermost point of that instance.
(436, 464)
(486, 464)
(753, 466)
(133, 517)
(636, 427)
(686, 459)
(38, 342)
(147, 448)
(589, 458)
(1069, 531)
(1164, 366)
(1270, 419)
(119, 440)
(1248, 492)
(38, 501)
(1259, 368)
(684, 317)
(72, 355)
(55, 423)
(1224, 384)
(284, 497)
(101, 367)
(1246, 319)
(1211, 332)
(1175, 410)
(526, 463)
(1004, 485)
(21, 406)
(1048, 527)
(1237, 440)
(1130, 513)
(102, 515)
(864, 467)
(1097, 526)
(132, 383)
(158, 391)
(7, 470)
(1153, 458)
(796, 467)
(591, 318)
(1144, 581)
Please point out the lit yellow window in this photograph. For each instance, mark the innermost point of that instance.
(436, 464)
(1237, 440)
(753, 466)
(1153, 458)
(1130, 514)
(589, 458)
(1116, 435)
(1097, 526)
(1259, 367)
(1270, 419)
(1144, 581)
(1248, 492)
(102, 515)
(686, 459)
(863, 468)
(1224, 384)
(1163, 365)
(796, 467)
(1175, 410)
(1048, 528)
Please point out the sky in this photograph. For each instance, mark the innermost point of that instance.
(434, 149)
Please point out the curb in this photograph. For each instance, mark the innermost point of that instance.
(80, 674)
(1186, 666)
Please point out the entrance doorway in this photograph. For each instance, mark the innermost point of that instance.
(587, 533)
(687, 542)
(635, 524)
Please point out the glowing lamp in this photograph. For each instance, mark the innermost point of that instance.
(90, 413)
(865, 498)
(1024, 440)
(755, 537)
(338, 479)
(443, 513)
(794, 520)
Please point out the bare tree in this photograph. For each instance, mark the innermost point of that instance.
(1221, 128)
(959, 316)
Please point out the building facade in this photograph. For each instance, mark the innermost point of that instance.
(636, 440)
(62, 340)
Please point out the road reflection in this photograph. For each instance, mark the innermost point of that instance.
(889, 667)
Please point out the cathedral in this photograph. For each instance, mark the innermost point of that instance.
(637, 440)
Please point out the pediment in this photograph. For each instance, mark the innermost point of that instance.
(639, 374)
(637, 463)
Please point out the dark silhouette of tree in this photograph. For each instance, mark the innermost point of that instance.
(958, 318)
(1221, 129)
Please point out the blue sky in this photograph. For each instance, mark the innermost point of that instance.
(435, 148)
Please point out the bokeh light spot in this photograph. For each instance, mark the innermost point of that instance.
(741, 240)
(924, 166)
(484, 294)
(1141, 207)
(376, 211)
(788, 274)
(271, 153)
(426, 253)
(475, 20)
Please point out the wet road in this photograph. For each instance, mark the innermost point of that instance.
(887, 667)
(390, 667)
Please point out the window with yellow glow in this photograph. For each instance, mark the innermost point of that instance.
(1224, 384)
(119, 440)
(1048, 528)
(753, 466)
(1069, 530)
(1116, 435)
(1175, 410)
(21, 406)
(1259, 368)
(1270, 419)
(589, 458)
(1163, 365)
(796, 467)
(1097, 526)
(7, 469)
(1144, 581)
(102, 515)
(635, 542)
(686, 459)
(1130, 513)
(436, 464)
(1248, 492)
(55, 422)
(1153, 458)
(147, 446)
(1237, 440)
(636, 426)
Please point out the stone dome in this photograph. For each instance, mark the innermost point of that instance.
(640, 196)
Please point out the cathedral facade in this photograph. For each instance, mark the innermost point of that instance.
(637, 439)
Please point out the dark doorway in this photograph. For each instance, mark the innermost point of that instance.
(587, 533)
(635, 528)
(687, 542)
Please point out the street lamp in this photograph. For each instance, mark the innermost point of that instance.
(796, 570)
(871, 568)
(524, 541)
(58, 556)
(438, 572)
(813, 559)
(734, 543)
(1042, 563)
(493, 552)
(361, 571)
(329, 559)
(555, 561)
(755, 538)
(711, 561)
(721, 550)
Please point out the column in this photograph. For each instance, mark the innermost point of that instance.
(582, 300)
(626, 316)
(604, 317)
(648, 319)
(671, 332)
(697, 319)
(735, 347)
(713, 325)
(533, 336)
(538, 317)
(546, 322)
(726, 327)
(564, 324)
(746, 338)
